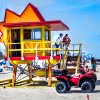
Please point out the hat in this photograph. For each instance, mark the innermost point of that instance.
(61, 34)
(66, 34)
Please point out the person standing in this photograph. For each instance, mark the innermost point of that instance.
(59, 44)
(93, 64)
(66, 41)
(59, 41)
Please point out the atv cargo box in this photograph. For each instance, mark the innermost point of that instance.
(60, 72)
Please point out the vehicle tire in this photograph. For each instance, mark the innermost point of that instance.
(95, 78)
(93, 86)
(68, 88)
(61, 87)
(87, 87)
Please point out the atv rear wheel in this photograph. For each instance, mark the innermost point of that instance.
(93, 86)
(62, 87)
(95, 78)
(87, 87)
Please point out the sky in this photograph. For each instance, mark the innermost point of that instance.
(81, 16)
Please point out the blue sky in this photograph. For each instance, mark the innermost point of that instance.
(82, 17)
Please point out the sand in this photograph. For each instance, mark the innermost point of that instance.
(49, 93)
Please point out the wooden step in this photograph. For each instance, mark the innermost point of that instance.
(71, 64)
(71, 67)
(72, 58)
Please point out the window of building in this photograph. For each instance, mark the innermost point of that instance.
(47, 37)
(27, 33)
(36, 34)
(32, 34)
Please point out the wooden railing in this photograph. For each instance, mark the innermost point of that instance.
(35, 47)
(78, 59)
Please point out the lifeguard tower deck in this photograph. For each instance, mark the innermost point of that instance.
(27, 38)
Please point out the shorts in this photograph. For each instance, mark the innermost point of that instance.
(57, 45)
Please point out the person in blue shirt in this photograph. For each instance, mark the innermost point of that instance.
(59, 41)
(93, 64)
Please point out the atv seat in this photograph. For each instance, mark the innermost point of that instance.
(69, 76)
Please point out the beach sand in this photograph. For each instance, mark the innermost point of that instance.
(49, 93)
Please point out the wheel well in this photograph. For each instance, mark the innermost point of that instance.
(85, 79)
(60, 79)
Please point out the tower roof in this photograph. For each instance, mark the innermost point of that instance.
(31, 17)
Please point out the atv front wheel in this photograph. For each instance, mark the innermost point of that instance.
(62, 87)
(87, 87)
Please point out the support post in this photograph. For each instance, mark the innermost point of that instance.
(22, 44)
(50, 74)
(29, 72)
(43, 40)
(14, 75)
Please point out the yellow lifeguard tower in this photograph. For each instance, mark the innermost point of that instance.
(27, 38)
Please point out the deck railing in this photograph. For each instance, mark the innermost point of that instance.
(35, 47)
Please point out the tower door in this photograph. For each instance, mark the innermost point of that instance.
(15, 38)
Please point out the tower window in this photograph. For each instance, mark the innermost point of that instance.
(32, 34)
(47, 37)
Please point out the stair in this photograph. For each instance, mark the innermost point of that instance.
(71, 64)
(72, 58)
(73, 61)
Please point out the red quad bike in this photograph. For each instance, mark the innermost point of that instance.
(86, 81)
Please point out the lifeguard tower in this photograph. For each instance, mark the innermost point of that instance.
(27, 38)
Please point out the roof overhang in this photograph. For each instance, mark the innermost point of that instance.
(55, 25)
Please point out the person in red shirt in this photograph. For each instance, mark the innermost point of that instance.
(66, 41)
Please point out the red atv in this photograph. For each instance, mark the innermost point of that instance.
(86, 81)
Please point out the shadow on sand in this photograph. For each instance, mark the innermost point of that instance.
(98, 82)
(79, 91)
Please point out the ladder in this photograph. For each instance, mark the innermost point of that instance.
(64, 59)
(73, 61)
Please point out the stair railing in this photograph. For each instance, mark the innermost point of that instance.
(78, 59)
